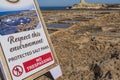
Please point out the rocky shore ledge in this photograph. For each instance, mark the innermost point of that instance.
(89, 50)
(94, 6)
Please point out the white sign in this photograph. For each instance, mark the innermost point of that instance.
(23, 40)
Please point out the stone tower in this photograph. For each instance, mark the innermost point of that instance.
(82, 2)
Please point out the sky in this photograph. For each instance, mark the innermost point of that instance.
(28, 4)
(44, 3)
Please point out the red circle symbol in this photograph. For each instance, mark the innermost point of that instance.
(17, 71)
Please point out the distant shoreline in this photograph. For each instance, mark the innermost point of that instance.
(95, 9)
(65, 8)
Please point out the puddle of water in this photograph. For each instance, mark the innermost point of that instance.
(17, 22)
(72, 21)
(8, 30)
(9, 26)
(57, 25)
(91, 17)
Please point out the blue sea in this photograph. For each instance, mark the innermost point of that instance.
(11, 12)
(53, 8)
(42, 8)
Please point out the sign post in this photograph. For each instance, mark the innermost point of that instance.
(25, 47)
(2, 72)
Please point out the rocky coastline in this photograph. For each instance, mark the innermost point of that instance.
(84, 5)
(89, 50)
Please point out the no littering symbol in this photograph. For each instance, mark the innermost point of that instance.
(17, 71)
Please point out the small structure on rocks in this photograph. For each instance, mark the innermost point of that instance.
(83, 4)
